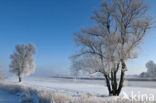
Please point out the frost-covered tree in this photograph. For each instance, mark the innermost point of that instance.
(75, 69)
(22, 60)
(151, 68)
(121, 26)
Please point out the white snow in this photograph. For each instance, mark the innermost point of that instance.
(76, 88)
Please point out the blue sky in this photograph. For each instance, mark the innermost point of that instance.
(50, 25)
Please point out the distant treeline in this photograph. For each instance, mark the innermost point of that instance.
(97, 78)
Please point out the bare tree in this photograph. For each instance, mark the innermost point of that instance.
(121, 25)
(22, 60)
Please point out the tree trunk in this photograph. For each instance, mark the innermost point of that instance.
(20, 79)
(114, 83)
(111, 83)
(121, 77)
(108, 84)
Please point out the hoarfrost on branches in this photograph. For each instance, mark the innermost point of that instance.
(22, 60)
(121, 26)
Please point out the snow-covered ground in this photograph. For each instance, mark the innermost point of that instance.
(76, 88)
(92, 86)
(8, 98)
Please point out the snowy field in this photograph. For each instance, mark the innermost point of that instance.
(8, 98)
(79, 88)
(90, 86)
